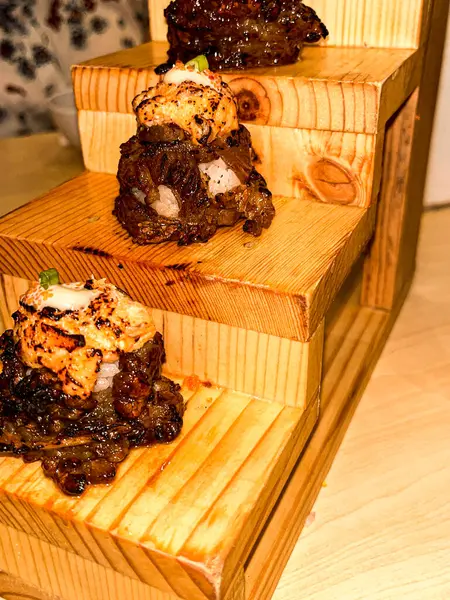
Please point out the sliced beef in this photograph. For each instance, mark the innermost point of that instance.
(80, 447)
(241, 34)
(164, 155)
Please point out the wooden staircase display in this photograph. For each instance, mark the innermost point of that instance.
(273, 339)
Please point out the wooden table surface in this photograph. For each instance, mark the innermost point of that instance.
(33, 165)
(382, 523)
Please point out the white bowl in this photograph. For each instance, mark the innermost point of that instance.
(64, 114)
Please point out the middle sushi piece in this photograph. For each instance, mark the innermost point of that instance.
(189, 168)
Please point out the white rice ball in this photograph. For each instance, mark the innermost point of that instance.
(109, 369)
(167, 205)
(105, 376)
(221, 178)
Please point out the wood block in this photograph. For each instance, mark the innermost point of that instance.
(367, 23)
(391, 262)
(14, 588)
(371, 23)
(280, 284)
(335, 167)
(382, 282)
(330, 89)
(158, 25)
(179, 517)
(317, 125)
(354, 339)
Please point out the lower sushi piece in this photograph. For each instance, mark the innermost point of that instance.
(82, 446)
(172, 189)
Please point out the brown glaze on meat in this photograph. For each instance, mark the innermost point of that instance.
(81, 445)
(244, 34)
(165, 155)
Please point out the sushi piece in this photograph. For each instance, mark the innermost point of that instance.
(189, 168)
(244, 34)
(81, 382)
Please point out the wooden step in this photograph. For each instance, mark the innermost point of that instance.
(318, 123)
(334, 89)
(281, 283)
(61, 550)
(181, 516)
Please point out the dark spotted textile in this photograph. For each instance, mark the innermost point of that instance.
(41, 39)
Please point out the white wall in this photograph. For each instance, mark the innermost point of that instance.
(438, 181)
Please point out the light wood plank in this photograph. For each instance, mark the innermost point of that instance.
(13, 588)
(382, 282)
(335, 167)
(373, 23)
(392, 261)
(352, 359)
(40, 571)
(331, 89)
(402, 420)
(281, 283)
(158, 25)
(143, 525)
(11, 288)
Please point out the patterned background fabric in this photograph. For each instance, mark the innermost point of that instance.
(41, 39)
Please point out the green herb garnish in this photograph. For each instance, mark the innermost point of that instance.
(200, 63)
(48, 278)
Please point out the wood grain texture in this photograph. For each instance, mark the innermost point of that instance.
(11, 288)
(246, 361)
(331, 89)
(392, 259)
(14, 588)
(354, 338)
(344, 554)
(255, 363)
(158, 25)
(60, 575)
(281, 284)
(38, 570)
(101, 134)
(367, 23)
(333, 167)
(421, 142)
(175, 513)
(373, 23)
(382, 283)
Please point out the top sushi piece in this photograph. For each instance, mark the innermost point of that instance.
(238, 35)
